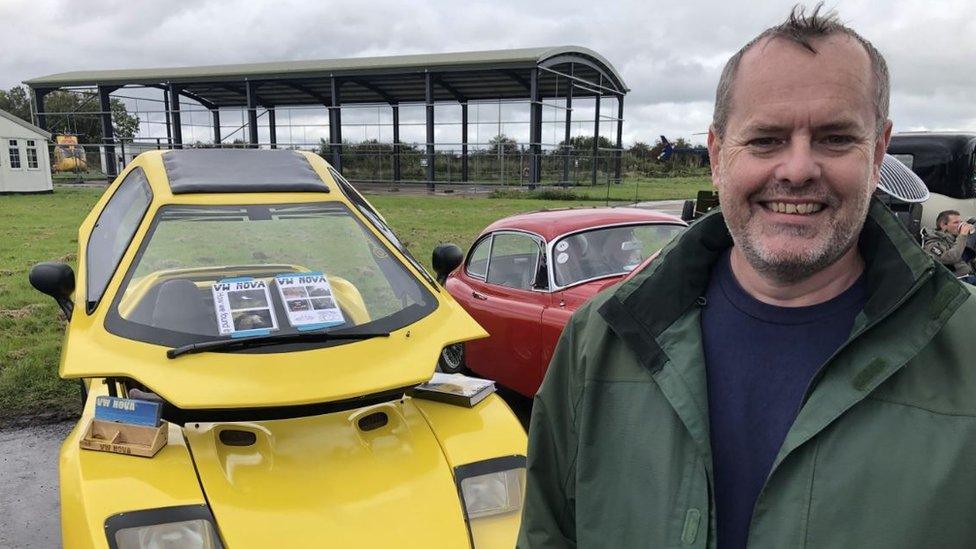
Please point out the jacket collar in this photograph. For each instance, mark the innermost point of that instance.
(936, 233)
(642, 308)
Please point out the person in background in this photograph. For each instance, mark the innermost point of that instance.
(950, 245)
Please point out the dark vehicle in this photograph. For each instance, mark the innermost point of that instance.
(946, 162)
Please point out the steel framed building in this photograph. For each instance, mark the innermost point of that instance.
(534, 75)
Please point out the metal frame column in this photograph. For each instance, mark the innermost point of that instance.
(620, 136)
(108, 133)
(535, 129)
(215, 116)
(429, 101)
(169, 125)
(396, 142)
(176, 139)
(596, 137)
(464, 141)
(39, 112)
(567, 146)
(272, 131)
(335, 124)
(252, 113)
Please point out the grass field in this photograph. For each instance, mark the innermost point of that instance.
(640, 189)
(44, 228)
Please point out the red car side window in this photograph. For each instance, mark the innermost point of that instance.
(514, 261)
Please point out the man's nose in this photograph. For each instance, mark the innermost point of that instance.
(798, 164)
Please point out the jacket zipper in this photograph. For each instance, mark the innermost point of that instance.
(926, 274)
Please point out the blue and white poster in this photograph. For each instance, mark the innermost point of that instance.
(308, 300)
(243, 307)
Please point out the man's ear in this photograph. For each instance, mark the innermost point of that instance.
(714, 149)
(880, 147)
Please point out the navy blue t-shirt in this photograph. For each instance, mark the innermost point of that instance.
(759, 360)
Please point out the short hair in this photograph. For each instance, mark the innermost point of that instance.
(802, 29)
(944, 218)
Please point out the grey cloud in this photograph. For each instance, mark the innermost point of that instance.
(669, 53)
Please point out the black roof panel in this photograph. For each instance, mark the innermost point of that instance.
(240, 171)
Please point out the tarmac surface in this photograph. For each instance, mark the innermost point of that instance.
(29, 502)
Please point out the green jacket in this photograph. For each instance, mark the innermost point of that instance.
(948, 249)
(882, 453)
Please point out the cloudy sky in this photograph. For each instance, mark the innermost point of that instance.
(669, 53)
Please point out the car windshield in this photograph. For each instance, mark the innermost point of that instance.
(211, 272)
(607, 251)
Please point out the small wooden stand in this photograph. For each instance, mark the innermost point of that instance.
(121, 438)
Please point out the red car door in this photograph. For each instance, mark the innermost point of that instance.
(564, 303)
(506, 303)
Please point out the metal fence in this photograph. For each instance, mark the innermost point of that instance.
(377, 163)
(368, 153)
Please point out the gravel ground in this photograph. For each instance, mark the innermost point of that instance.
(29, 496)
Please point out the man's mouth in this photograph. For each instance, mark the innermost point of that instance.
(793, 208)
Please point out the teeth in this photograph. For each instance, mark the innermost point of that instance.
(796, 209)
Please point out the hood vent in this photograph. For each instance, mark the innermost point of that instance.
(373, 421)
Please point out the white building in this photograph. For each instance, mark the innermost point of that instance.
(25, 165)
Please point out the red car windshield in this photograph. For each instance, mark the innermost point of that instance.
(607, 251)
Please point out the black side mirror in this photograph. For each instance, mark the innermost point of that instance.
(445, 259)
(56, 280)
(688, 211)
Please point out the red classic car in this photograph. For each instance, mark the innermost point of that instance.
(526, 274)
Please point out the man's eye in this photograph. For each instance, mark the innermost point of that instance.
(839, 140)
(764, 142)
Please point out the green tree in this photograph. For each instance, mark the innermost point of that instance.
(585, 143)
(640, 150)
(16, 102)
(503, 143)
(72, 112)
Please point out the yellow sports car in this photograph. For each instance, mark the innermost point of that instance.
(281, 327)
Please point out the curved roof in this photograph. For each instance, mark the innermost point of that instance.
(473, 75)
(550, 224)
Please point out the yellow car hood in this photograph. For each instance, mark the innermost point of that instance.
(235, 381)
(325, 481)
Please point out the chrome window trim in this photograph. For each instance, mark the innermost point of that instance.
(490, 237)
(539, 239)
(552, 273)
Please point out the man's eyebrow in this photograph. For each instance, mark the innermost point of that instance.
(761, 127)
(833, 126)
(838, 126)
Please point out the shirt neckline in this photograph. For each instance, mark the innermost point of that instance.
(738, 297)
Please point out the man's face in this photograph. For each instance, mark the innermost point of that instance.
(952, 224)
(799, 159)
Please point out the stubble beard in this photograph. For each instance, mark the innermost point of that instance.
(842, 230)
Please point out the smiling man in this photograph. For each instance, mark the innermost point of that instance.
(793, 370)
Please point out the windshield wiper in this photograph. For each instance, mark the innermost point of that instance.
(263, 341)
